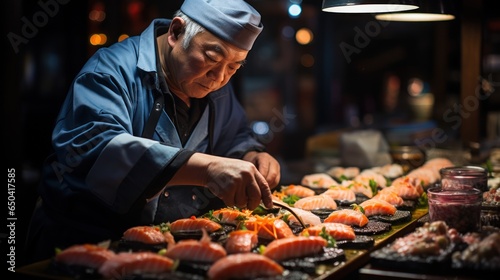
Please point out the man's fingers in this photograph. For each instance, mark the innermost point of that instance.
(265, 191)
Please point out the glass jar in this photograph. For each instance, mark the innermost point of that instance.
(409, 157)
(459, 209)
(464, 177)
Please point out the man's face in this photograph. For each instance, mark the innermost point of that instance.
(206, 65)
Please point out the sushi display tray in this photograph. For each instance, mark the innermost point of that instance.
(352, 260)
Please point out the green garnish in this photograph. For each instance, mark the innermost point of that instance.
(423, 200)
(261, 249)
(331, 242)
(357, 207)
(343, 178)
(291, 199)
(373, 186)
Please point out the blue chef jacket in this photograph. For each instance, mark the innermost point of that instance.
(105, 177)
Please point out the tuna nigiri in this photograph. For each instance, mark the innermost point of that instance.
(376, 206)
(86, 255)
(194, 224)
(126, 264)
(203, 250)
(241, 241)
(316, 202)
(294, 247)
(244, 266)
(336, 230)
(347, 216)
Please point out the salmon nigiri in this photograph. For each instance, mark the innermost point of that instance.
(194, 224)
(231, 216)
(297, 190)
(126, 264)
(294, 247)
(390, 196)
(87, 255)
(307, 217)
(347, 216)
(316, 202)
(336, 230)
(341, 193)
(241, 241)
(145, 234)
(244, 266)
(376, 206)
(203, 250)
(318, 180)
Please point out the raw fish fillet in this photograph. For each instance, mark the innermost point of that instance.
(125, 264)
(375, 206)
(336, 230)
(231, 216)
(194, 224)
(87, 255)
(294, 247)
(316, 202)
(347, 216)
(144, 234)
(241, 241)
(341, 193)
(318, 180)
(390, 196)
(244, 266)
(203, 250)
(298, 190)
(307, 217)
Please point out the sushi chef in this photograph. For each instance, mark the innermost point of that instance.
(151, 131)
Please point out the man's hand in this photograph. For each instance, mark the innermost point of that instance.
(237, 182)
(267, 165)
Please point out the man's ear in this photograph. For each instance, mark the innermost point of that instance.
(175, 30)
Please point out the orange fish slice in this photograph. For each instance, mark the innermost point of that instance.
(316, 202)
(125, 264)
(347, 216)
(87, 255)
(144, 234)
(336, 230)
(244, 265)
(203, 250)
(194, 224)
(241, 241)
(294, 247)
(376, 206)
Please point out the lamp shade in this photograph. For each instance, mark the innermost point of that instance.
(367, 6)
(429, 10)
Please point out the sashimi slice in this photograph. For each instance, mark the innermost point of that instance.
(87, 255)
(194, 224)
(358, 188)
(375, 206)
(366, 175)
(316, 202)
(412, 181)
(318, 180)
(341, 193)
(241, 241)
(144, 234)
(244, 266)
(347, 216)
(336, 230)
(231, 216)
(390, 196)
(307, 217)
(125, 264)
(298, 190)
(294, 247)
(203, 250)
